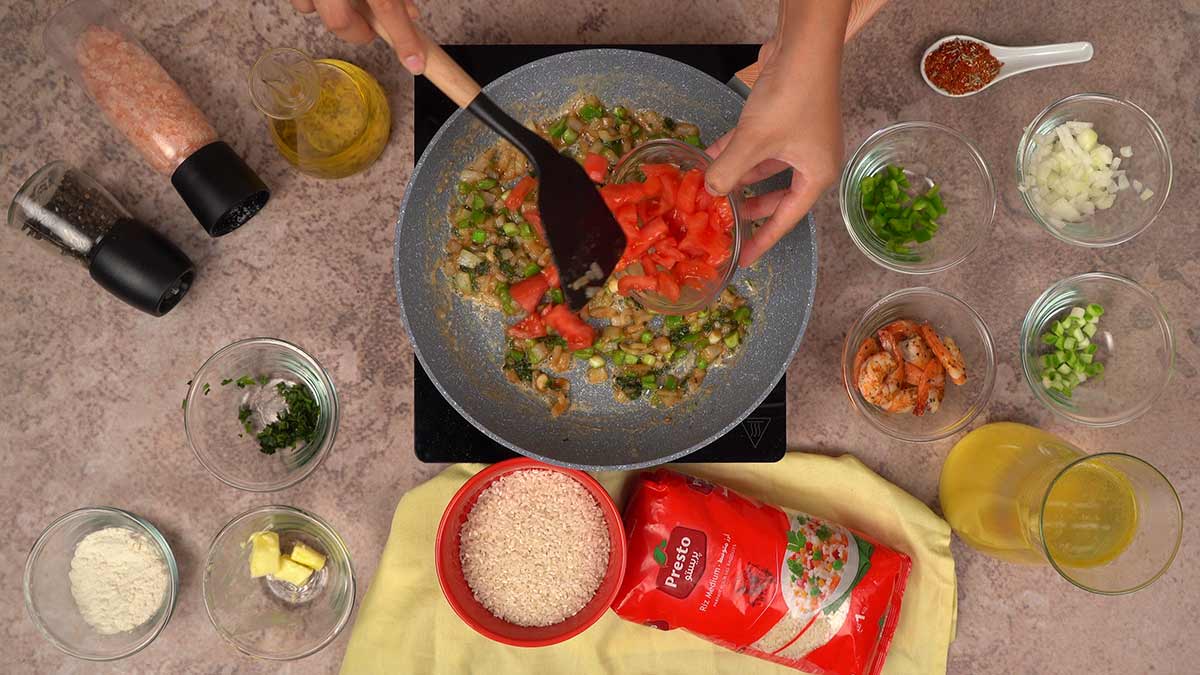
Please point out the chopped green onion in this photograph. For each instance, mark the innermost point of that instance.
(620, 112)
(701, 363)
(584, 354)
(672, 322)
(478, 217)
(649, 360)
(1073, 362)
(486, 184)
(570, 136)
(618, 357)
(556, 296)
(742, 314)
(731, 340)
(648, 382)
(510, 229)
(556, 130)
(693, 140)
(464, 187)
(525, 230)
(646, 337)
(477, 203)
(670, 382)
(479, 236)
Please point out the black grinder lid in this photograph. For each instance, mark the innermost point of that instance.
(220, 189)
(141, 267)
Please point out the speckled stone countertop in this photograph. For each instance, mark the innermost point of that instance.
(92, 388)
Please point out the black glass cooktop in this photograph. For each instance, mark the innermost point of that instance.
(440, 433)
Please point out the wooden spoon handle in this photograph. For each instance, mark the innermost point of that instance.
(861, 11)
(443, 71)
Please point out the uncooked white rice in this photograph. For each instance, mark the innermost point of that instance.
(819, 633)
(534, 547)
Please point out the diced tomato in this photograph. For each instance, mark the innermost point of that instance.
(531, 326)
(649, 209)
(721, 213)
(627, 218)
(659, 170)
(517, 195)
(620, 194)
(648, 265)
(704, 201)
(717, 245)
(528, 292)
(670, 186)
(576, 331)
(693, 243)
(667, 286)
(694, 273)
(653, 186)
(654, 230)
(596, 167)
(675, 220)
(534, 218)
(699, 220)
(550, 274)
(636, 282)
(666, 253)
(685, 198)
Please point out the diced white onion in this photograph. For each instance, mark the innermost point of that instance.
(1146, 194)
(468, 259)
(1072, 174)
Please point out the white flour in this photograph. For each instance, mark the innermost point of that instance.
(118, 579)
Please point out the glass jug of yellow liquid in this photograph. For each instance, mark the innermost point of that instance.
(1110, 523)
(329, 118)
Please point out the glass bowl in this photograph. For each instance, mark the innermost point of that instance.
(270, 618)
(951, 317)
(462, 599)
(1135, 345)
(929, 153)
(1119, 123)
(686, 157)
(219, 395)
(48, 595)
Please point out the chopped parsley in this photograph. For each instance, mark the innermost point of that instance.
(298, 422)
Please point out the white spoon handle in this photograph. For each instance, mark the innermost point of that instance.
(1022, 59)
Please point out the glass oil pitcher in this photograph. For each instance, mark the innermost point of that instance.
(1109, 522)
(328, 117)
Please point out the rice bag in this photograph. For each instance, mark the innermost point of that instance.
(758, 579)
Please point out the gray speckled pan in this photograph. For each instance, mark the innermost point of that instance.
(461, 345)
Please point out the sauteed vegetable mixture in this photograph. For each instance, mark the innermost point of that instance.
(496, 255)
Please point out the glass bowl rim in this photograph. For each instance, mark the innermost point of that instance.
(139, 524)
(194, 391)
(327, 529)
(703, 159)
(1027, 337)
(1042, 533)
(985, 393)
(857, 157)
(1155, 132)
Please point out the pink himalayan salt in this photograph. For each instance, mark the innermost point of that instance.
(141, 100)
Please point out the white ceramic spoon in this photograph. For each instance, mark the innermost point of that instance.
(1016, 60)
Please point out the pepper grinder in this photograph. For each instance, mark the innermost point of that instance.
(75, 216)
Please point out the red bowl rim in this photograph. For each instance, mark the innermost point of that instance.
(616, 548)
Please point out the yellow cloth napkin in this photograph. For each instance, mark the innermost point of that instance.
(406, 626)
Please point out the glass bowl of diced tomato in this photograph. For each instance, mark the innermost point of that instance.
(683, 243)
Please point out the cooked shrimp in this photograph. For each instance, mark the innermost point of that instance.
(869, 347)
(916, 352)
(875, 382)
(930, 378)
(890, 337)
(902, 401)
(947, 352)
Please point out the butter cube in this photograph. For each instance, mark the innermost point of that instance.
(292, 572)
(264, 554)
(307, 556)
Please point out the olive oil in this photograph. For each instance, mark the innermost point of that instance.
(328, 117)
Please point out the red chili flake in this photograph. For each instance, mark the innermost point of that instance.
(961, 66)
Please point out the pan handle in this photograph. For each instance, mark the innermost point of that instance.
(443, 71)
(861, 11)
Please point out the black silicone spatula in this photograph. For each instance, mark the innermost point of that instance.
(579, 227)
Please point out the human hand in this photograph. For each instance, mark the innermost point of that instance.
(395, 17)
(792, 120)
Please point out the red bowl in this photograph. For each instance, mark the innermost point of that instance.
(458, 593)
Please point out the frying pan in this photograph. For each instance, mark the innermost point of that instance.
(461, 344)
